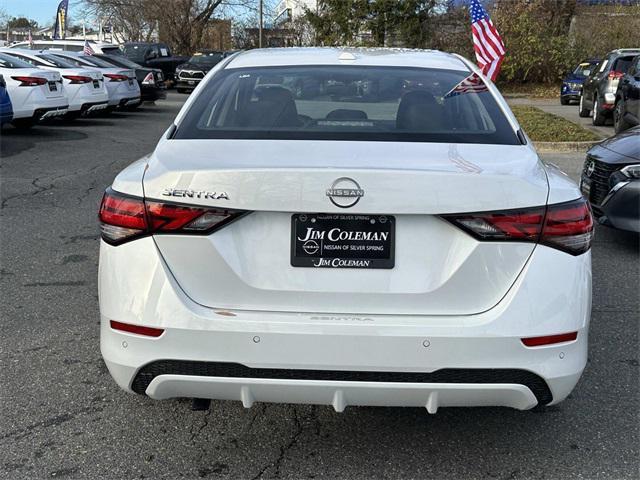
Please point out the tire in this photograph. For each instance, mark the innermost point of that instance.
(583, 112)
(23, 123)
(564, 101)
(619, 123)
(597, 117)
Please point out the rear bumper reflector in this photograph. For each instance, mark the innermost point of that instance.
(137, 329)
(549, 339)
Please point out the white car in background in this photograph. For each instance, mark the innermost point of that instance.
(346, 227)
(69, 45)
(35, 94)
(84, 86)
(121, 83)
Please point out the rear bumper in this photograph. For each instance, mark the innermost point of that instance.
(43, 114)
(150, 94)
(129, 102)
(93, 108)
(402, 360)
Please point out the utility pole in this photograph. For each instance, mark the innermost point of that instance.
(260, 27)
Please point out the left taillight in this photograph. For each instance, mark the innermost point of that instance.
(149, 79)
(564, 226)
(30, 81)
(124, 218)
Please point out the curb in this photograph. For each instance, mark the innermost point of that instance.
(560, 147)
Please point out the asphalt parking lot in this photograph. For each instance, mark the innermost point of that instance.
(63, 416)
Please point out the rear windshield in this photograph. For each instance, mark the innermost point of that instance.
(623, 63)
(97, 62)
(56, 61)
(8, 61)
(119, 61)
(347, 103)
(135, 52)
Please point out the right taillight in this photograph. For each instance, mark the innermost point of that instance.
(124, 218)
(565, 226)
(568, 227)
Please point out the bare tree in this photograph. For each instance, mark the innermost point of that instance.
(181, 23)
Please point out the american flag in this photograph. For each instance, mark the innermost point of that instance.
(486, 41)
(87, 48)
(471, 84)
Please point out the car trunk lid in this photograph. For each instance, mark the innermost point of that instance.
(437, 267)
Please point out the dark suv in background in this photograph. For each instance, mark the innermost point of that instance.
(626, 112)
(599, 90)
(191, 73)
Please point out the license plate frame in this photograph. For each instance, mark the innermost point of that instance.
(342, 241)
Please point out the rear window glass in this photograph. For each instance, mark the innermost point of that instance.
(135, 52)
(96, 62)
(56, 61)
(8, 61)
(119, 61)
(347, 103)
(622, 64)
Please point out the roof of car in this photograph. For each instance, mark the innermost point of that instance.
(347, 56)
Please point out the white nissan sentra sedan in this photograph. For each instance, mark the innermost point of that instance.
(346, 227)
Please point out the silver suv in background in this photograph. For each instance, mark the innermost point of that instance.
(599, 91)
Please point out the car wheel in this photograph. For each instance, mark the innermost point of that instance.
(23, 123)
(597, 117)
(582, 112)
(619, 122)
(564, 101)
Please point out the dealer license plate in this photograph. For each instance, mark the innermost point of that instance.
(342, 241)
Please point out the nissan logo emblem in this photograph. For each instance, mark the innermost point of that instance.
(345, 192)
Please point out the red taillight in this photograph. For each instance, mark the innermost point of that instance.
(613, 75)
(78, 79)
(565, 226)
(115, 77)
(137, 329)
(549, 339)
(123, 218)
(568, 227)
(30, 81)
(149, 79)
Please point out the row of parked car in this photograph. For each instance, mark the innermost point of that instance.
(607, 88)
(39, 84)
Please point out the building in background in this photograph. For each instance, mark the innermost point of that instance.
(290, 10)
